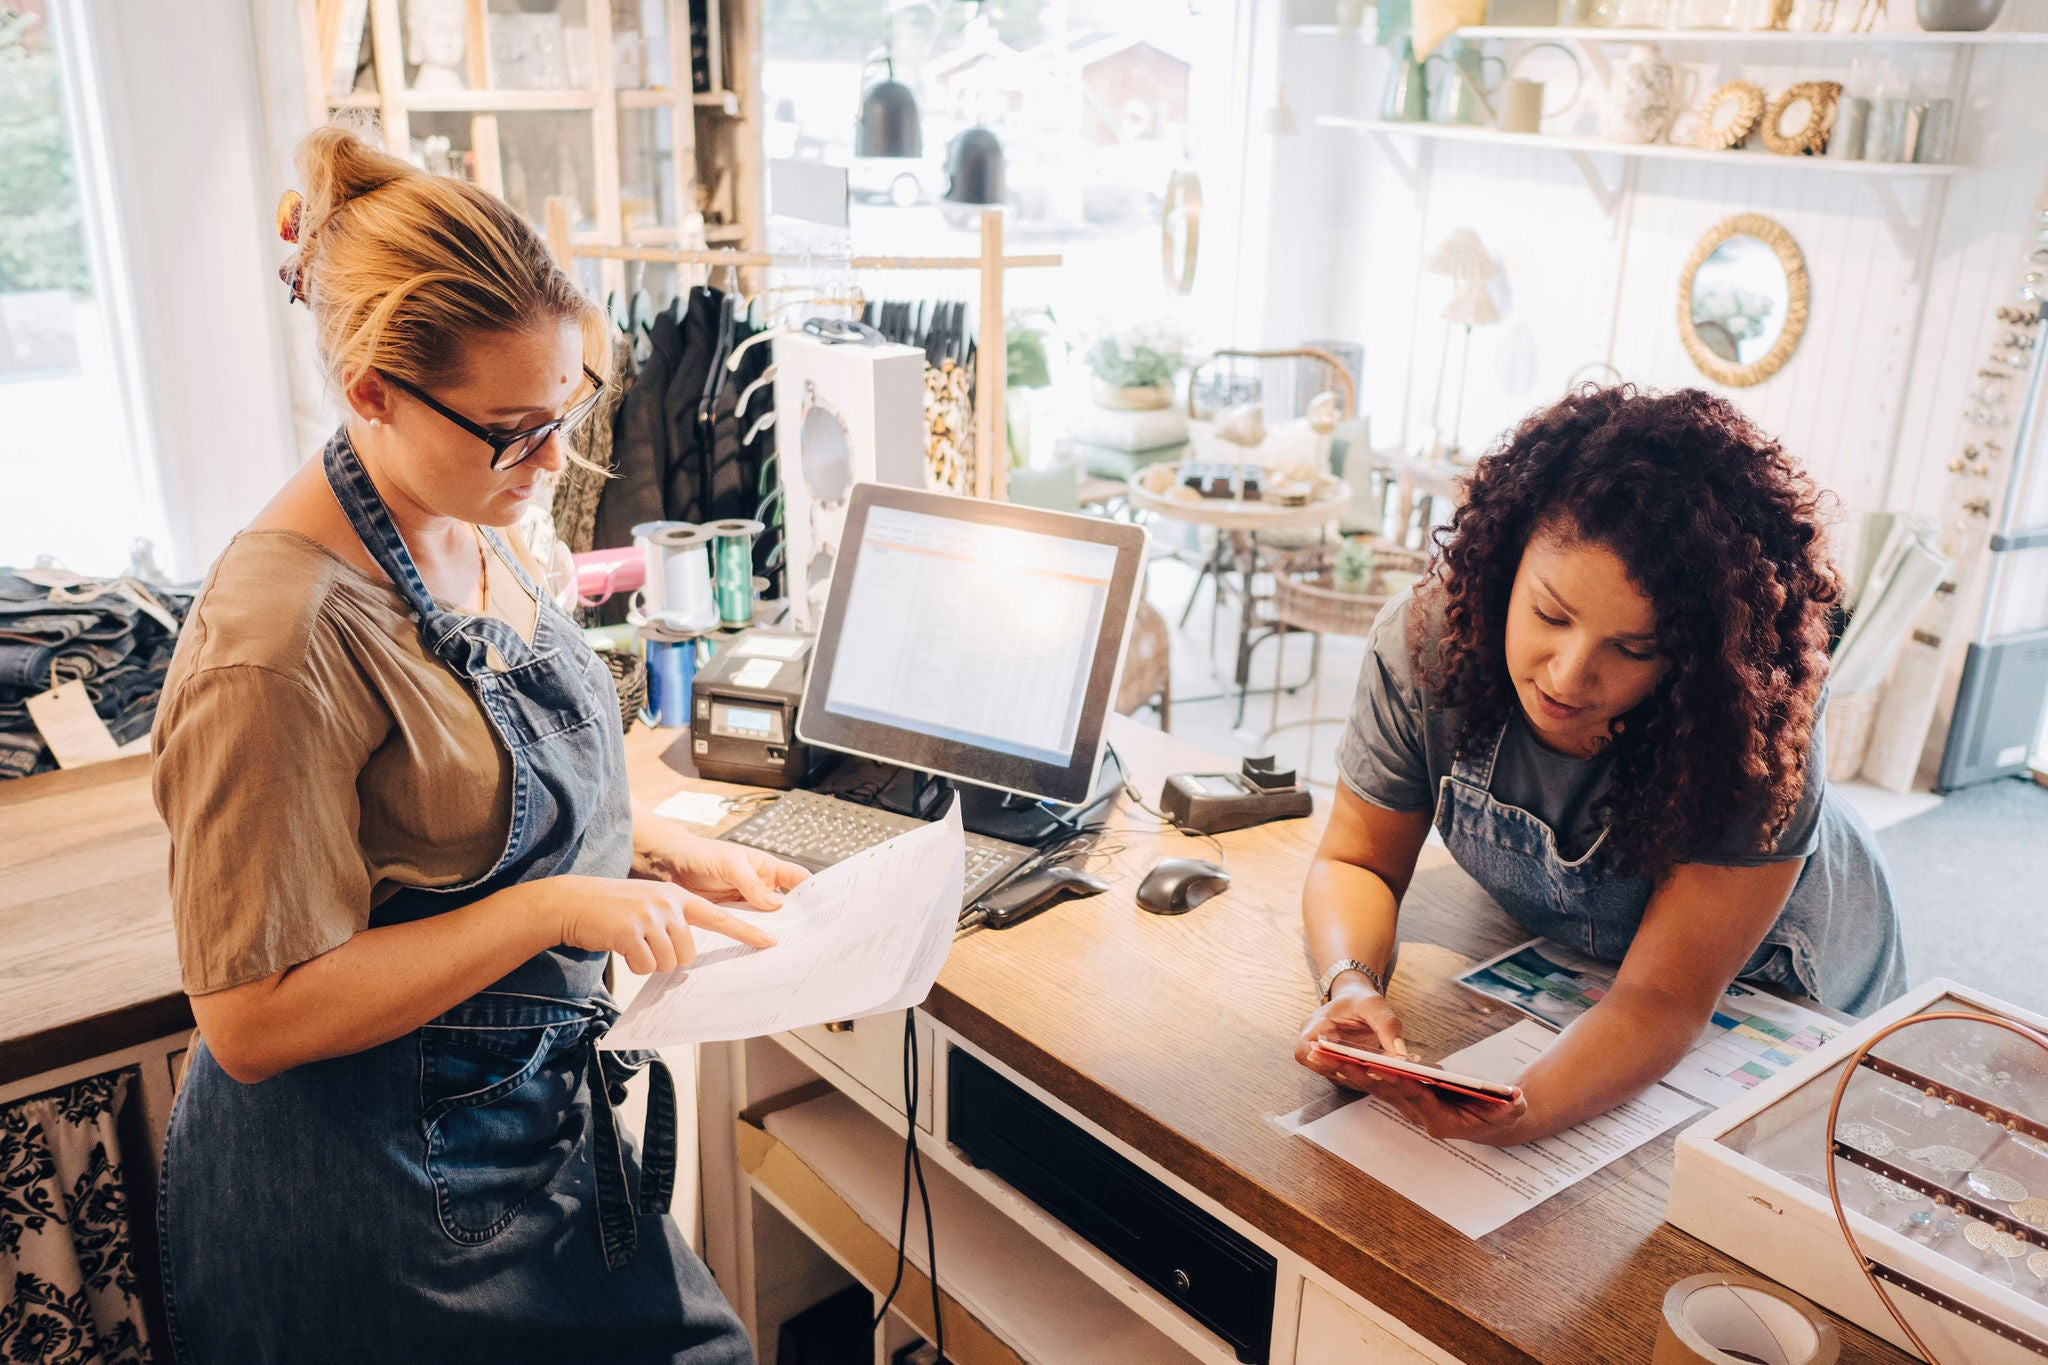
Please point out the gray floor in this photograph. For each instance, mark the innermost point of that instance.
(1972, 882)
(1971, 874)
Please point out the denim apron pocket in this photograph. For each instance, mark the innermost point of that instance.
(498, 1083)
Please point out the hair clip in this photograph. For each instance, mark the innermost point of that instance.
(1866, 1138)
(291, 211)
(294, 276)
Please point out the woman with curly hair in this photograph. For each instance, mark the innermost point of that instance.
(1607, 698)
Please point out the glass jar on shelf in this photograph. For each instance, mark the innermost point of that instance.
(640, 44)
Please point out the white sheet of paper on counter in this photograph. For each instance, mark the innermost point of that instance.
(1476, 1188)
(864, 936)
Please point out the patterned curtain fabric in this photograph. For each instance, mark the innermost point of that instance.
(65, 1245)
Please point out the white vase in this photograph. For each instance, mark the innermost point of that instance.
(1138, 398)
(1642, 98)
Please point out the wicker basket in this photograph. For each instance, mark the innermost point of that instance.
(1845, 731)
(629, 675)
(1304, 598)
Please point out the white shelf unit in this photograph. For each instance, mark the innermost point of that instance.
(1908, 230)
(1879, 175)
(1025, 1295)
(1558, 32)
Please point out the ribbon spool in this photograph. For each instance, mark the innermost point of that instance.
(671, 671)
(677, 593)
(733, 557)
(1740, 1320)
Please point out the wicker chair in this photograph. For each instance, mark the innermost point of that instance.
(1305, 598)
(1148, 667)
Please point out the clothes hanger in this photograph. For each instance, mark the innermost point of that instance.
(739, 407)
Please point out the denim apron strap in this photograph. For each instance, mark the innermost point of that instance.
(618, 1212)
(456, 638)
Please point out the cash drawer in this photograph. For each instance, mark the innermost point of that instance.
(1217, 1277)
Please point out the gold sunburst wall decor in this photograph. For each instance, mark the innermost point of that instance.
(1809, 135)
(1729, 115)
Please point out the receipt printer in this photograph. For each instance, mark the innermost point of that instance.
(1210, 803)
(743, 712)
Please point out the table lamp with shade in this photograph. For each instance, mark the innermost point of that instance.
(1462, 259)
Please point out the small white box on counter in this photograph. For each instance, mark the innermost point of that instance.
(1739, 1182)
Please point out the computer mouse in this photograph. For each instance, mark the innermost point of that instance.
(1177, 885)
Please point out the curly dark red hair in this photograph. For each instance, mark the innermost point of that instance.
(1722, 531)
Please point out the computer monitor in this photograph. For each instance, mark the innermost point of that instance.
(977, 640)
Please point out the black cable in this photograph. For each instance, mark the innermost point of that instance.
(909, 1148)
(1138, 800)
(913, 1161)
(931, 1245)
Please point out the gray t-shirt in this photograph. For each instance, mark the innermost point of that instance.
(1397, 750)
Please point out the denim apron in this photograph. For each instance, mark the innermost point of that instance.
(1836, 941)
(462, 1193)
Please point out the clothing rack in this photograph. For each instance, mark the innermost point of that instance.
(991, 387)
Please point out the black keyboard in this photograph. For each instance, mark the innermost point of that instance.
(817, 831)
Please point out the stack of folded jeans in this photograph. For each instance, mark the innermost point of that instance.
(113, 635)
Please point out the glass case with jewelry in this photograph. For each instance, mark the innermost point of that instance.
(1939, 1156)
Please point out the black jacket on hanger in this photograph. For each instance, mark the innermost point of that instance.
(640, 456)
(682, 477)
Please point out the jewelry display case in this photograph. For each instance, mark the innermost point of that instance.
(1940, 1156)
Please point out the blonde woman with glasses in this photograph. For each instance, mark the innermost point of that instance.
(402, 851)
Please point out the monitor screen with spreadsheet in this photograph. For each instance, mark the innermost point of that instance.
(978, 640)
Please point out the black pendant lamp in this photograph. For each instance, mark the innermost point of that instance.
(889, 125)
(974, 168)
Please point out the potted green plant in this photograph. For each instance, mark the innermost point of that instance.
(1134, 369)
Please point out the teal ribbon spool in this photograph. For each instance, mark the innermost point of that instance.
(733, 578)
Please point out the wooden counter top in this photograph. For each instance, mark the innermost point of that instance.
(89, 963)
(1174, 1034)
(1177, 1035)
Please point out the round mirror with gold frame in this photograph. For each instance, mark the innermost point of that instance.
(1742, 300)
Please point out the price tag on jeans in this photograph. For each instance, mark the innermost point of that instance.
(73, 730)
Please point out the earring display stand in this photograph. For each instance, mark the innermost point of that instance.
(1910, 1153)
(991, 465)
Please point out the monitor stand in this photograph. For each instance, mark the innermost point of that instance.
(998, 814)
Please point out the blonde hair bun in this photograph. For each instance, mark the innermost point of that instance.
(404, 269)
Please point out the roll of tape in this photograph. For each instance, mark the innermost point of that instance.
(1740, 1320)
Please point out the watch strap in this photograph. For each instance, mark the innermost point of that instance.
(1348, 964)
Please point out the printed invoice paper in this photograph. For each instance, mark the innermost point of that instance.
(1474, 1188)
(863, 937)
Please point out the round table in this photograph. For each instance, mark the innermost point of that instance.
(1157, 489)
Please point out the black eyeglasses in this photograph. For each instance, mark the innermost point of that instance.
(509, 449)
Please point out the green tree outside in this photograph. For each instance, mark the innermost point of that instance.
(42, 236)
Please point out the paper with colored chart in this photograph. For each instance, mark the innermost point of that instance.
(1752, 1037)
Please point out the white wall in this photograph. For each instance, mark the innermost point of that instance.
(1858, 391)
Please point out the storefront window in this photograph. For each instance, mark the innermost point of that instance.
(63, 414)
(1096, 104)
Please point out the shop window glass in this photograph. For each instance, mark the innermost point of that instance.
(70, 473)
(1096, 103)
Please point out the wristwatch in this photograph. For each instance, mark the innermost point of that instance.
(1348, 964)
